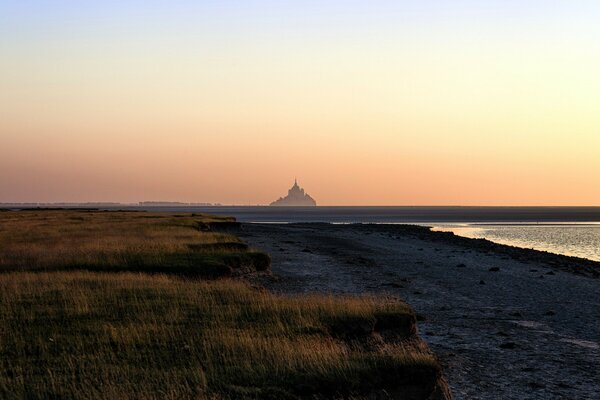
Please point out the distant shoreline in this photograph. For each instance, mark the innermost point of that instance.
(368, 214)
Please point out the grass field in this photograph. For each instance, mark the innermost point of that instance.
(122, 241)
(69, 331)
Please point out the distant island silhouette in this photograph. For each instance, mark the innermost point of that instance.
(296, 197)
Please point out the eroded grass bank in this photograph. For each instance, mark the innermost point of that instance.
(87, 335)
(123, 241)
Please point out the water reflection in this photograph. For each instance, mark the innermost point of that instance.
(573, 239)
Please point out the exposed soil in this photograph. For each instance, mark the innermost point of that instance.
(507, 323)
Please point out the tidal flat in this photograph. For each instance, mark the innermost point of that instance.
(506, 322)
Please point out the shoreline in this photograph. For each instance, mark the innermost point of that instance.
(573, 264)
(590, 266)
(506, 322)
(525, 243)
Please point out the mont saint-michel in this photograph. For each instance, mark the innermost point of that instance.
(296, 197)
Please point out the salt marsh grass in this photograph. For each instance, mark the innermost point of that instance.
(119, 241)
(102, 335)
(100, 305)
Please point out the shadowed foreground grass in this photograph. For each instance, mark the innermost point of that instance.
(123, 241)
(101, 335)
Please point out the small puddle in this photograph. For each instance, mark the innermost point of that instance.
(537, 326)
(582, 343)
(530, 324)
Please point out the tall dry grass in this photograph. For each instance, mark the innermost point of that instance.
(67, 332)
(100, 335)
(126, 241)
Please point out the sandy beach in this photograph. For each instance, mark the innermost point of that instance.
(506, 323)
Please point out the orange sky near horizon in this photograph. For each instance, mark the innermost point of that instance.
(481, 108)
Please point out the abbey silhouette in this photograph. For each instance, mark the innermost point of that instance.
(296, 197)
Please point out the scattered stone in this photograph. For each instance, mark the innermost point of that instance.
(500, 333)
(363, 260)
(461, 266)
(482, 282)
(421, 317)
(550, 273)
(533, 270)
(494, 269)
(516, 314)
(528, 369)
(394, 285)
(550, 313)
(417, 292)
(508, 345)
(305, 250)
(536, 385)
(541, 276)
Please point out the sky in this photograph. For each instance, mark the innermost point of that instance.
(429, 102)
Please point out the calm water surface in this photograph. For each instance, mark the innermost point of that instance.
(573, 239)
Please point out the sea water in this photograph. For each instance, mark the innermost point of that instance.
(573, 239)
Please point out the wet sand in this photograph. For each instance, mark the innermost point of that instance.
(506, 323)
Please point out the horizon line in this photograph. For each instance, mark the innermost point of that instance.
(154, 203)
